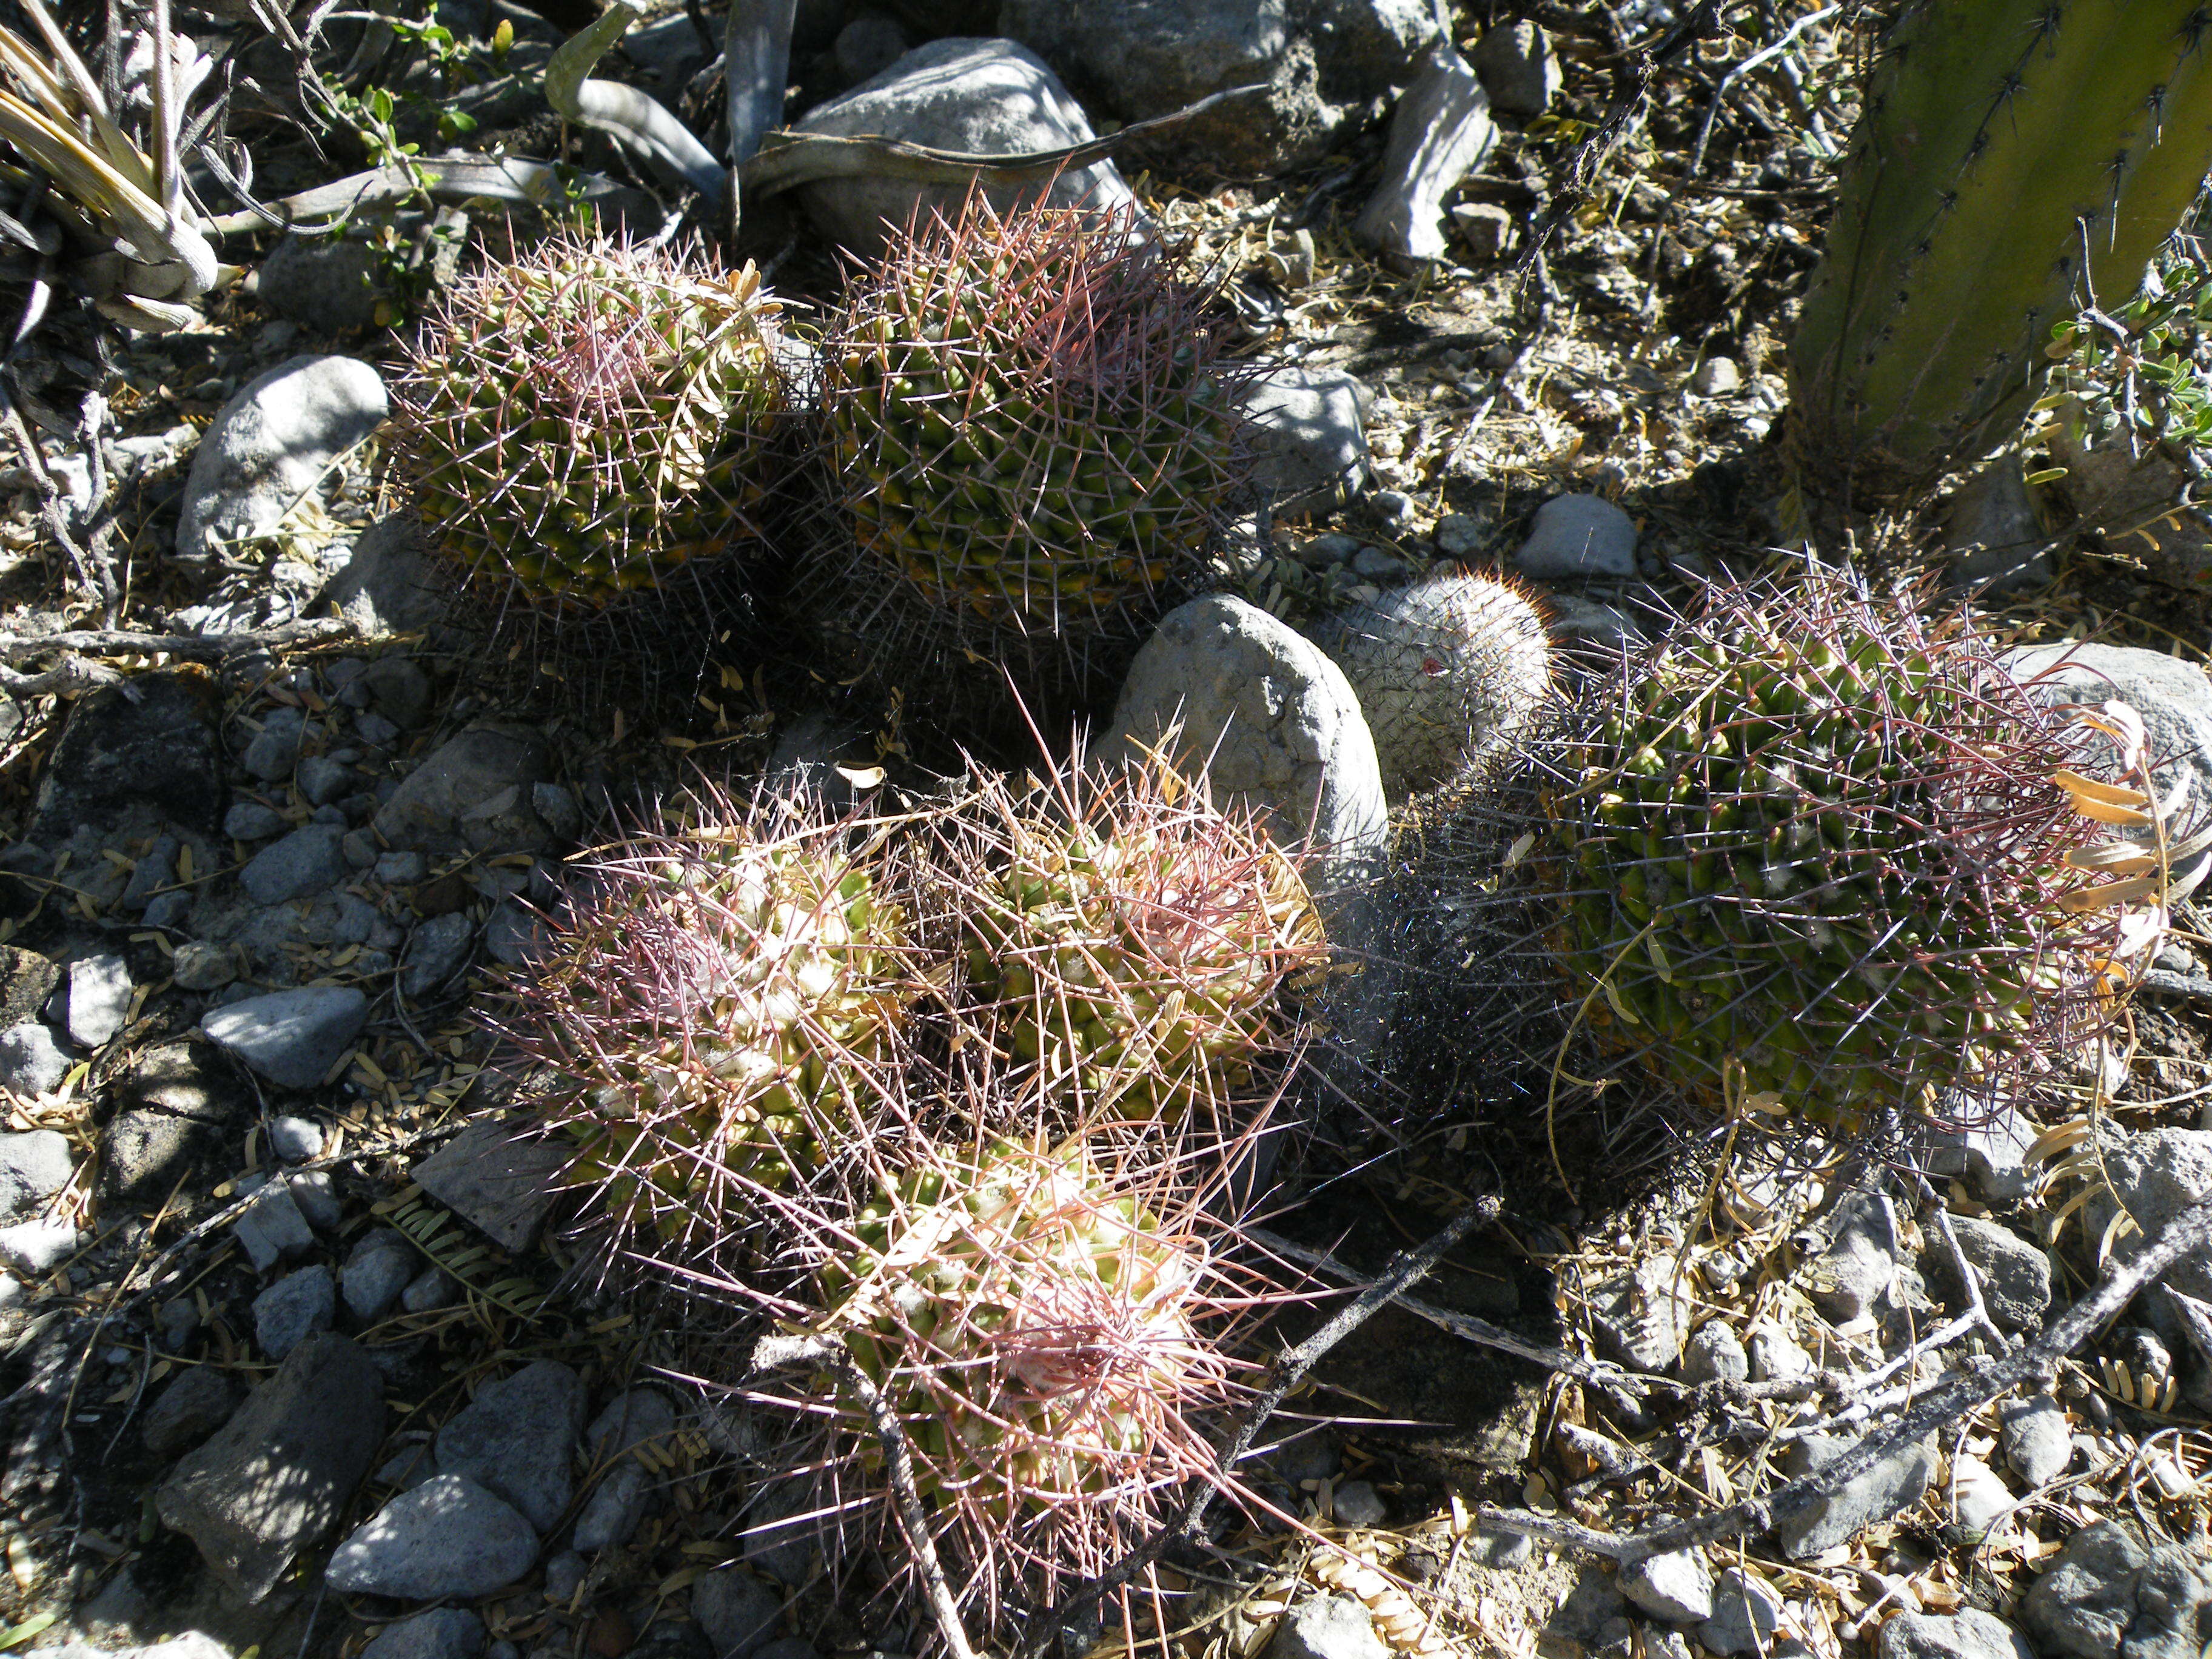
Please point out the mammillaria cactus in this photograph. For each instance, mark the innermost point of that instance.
(1811, 849)
(1035, 429)
(2001, 144)
(722, 1015)
(585, 419)
(1449, 671)
(1137, 943)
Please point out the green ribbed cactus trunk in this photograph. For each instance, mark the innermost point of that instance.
(2002, 141)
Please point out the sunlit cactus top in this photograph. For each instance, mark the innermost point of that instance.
(1035, 421)
(584, 419)
(1814, 852)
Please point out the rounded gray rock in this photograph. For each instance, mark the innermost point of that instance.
(294, 1308)
(300, 864)
(1970, 1633)
(735, 1611)
(380, 1267)
(1519, 70)
(2037, 1440)
(1308, 435)
(31, 1060)
(270, 444)
(1677, 1587)
(447, 1537)
(987, 97)
(295, 1140)
(1270, 722)
(440, 1633)
(1576, 536)
(1715, 1353)
(1745, 1615)
(2112, 1594)
(517, 1438)
(1327, 1627)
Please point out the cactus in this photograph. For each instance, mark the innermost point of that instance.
(1136, 943)
(1034, 428)
(1051, 1330)
(719, 1018)
(1449, 671)
(1811, 849)
(2002, 142)
(586, 419)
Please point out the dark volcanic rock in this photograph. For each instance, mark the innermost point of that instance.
(149, 742)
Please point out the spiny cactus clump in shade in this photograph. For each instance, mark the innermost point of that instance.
(586, 418)
(1449, 672)
(1052, 1328)
(1035, 427)
(723, 1015)
(1140, 947)
(1811, 848)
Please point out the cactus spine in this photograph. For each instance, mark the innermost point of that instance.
(2001, 141)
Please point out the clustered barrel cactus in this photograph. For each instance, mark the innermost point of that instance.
(1811, 848)
(587, 419)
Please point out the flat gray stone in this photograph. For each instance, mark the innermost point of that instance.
(249, 820)
(388, 585)
(490, 1177)
(1746, 1613)
(2112, 1594)
(275, 1479)
(983, 96)
(1822, 1520)
(1970, 1633)
(271, 443)
(1519, 70)
(33, 1166)
(99, 998)
(1715, 1353)
(1677, 1587)
(295, 1140)
(436, 953)
(2037, 1440)
(380, 1267)
(292, 1038)
(2015, 1276)
(1309, 436)
(735, 1611)
(517, 1438)
(1268, 717)
(1327, 1627)
(294, 1308)
(1578, 536)
(440, 1633)
(274, 750)
(272, 1228)
(32, 1062)
(473, 793)
(614, 1509)
(447, 1537)
(300, 866)
(321, 780)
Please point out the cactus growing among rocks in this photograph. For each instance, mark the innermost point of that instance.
(2002, 145)
(722, 1015)
(1135, 942)
(1449, 672)
(1813, 850)
(1034, 429)
(585, 419)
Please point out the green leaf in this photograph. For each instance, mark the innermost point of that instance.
(18, 1634)
(2048, 475)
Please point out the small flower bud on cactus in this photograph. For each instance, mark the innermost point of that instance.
(1035, 428)
(1449, 671)
(585, 419)
(1813, 850)
(1138, 942)
(720, 1018)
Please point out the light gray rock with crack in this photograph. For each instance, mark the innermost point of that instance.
(447, 1537)
(1439, 134)
(518, 1437)
(292, 1038)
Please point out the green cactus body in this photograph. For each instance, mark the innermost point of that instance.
(1037, 1331)
(1824, 846)
(582, 423)
(1035, 431)
(2001, 139)
(1137, 964)
(1448, 672)
(718, 1019)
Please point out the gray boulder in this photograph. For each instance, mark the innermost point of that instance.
(2037, 1440)
(473, 793)
(1820, 1521)
(490, 1176)
(447, 1537)
(2113, 1594)
(1268, 717)
(986, 97)
(294, 1308)
(276, 1477)
(735, 1611)
(271, 443)
(440, 1633)
(298, 865)
(1576, 536)
(1327, 1627)
(379, 1269)
(386, 587)
(2015, 1276)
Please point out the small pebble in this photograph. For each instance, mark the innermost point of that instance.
(295, 1140)
(1357, 1504)
(402, 869)
(1458, 536)
(199, 966)
(1394, 506)
(321, 779)
(1717, 377)
(169, 910)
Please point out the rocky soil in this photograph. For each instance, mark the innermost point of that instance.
(295, 1353)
